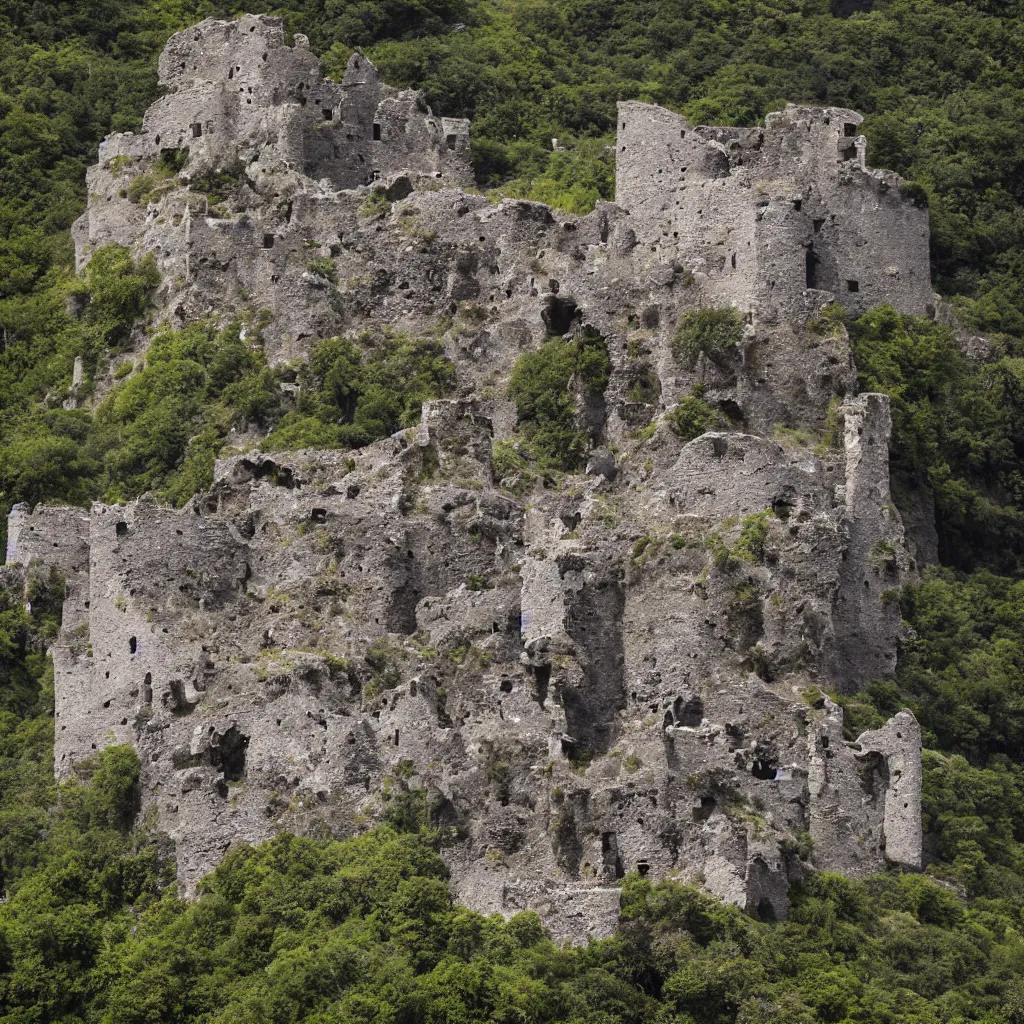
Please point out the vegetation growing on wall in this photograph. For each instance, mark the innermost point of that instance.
(551, 386)
(352, 394)
(713, 333)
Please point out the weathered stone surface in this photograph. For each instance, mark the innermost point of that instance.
(620, 670)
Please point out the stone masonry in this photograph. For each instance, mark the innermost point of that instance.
(621, 670)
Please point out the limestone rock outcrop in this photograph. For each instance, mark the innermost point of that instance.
(623, 669)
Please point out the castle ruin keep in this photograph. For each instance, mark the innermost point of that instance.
(619, 670)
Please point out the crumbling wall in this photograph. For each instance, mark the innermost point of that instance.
(766, 215)
(616, 669)
(573, 706)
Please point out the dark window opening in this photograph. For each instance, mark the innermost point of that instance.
(643, 869)
(376, 133)
(396, 737)
(765, 910)
(688, 713)
(797, 203)
(147, 689)
(229, 754)
(541, 681)
(318, 515)
(121, 529)
(133, 644)
(817, 225)
(849, 130)
(610, 854)
(558, 314)
(450, 141)
(505, 686)
(849, 152)
(811, 262)
(763, 769)
(268, 241)
(706, 809)
(853, 286)
(197, 130)
(734, 261)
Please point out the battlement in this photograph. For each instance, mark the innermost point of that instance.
(768, 215)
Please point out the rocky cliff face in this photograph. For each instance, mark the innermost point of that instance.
(579, 676)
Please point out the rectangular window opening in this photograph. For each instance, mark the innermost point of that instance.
(811, 268)
(268, 241)
(328, 114)
(853, 286)
(376, 133)
(197, 130)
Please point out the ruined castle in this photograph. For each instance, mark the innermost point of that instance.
(577, 677)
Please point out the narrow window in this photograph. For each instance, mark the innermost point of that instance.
(121, 529)
(147, 689)
(133, 644)
(734, 261)
(376, 133)
(817, 225)
(450, 141)
(811, 264)
(197, 130)
(328, 114)
(268, 241)
(797, 203)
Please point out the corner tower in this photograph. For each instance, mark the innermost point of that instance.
(766, 216)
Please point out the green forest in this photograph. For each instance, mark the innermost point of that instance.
(91, 926)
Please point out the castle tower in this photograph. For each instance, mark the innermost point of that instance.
(769, 215)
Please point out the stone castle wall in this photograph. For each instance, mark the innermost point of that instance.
(304, 637)
(769, 214)
(589, 680)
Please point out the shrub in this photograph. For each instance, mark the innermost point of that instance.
(712, 332)
(540, 385)
(375, 204)
(692, 416)
(356, 394)
(323, 267)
